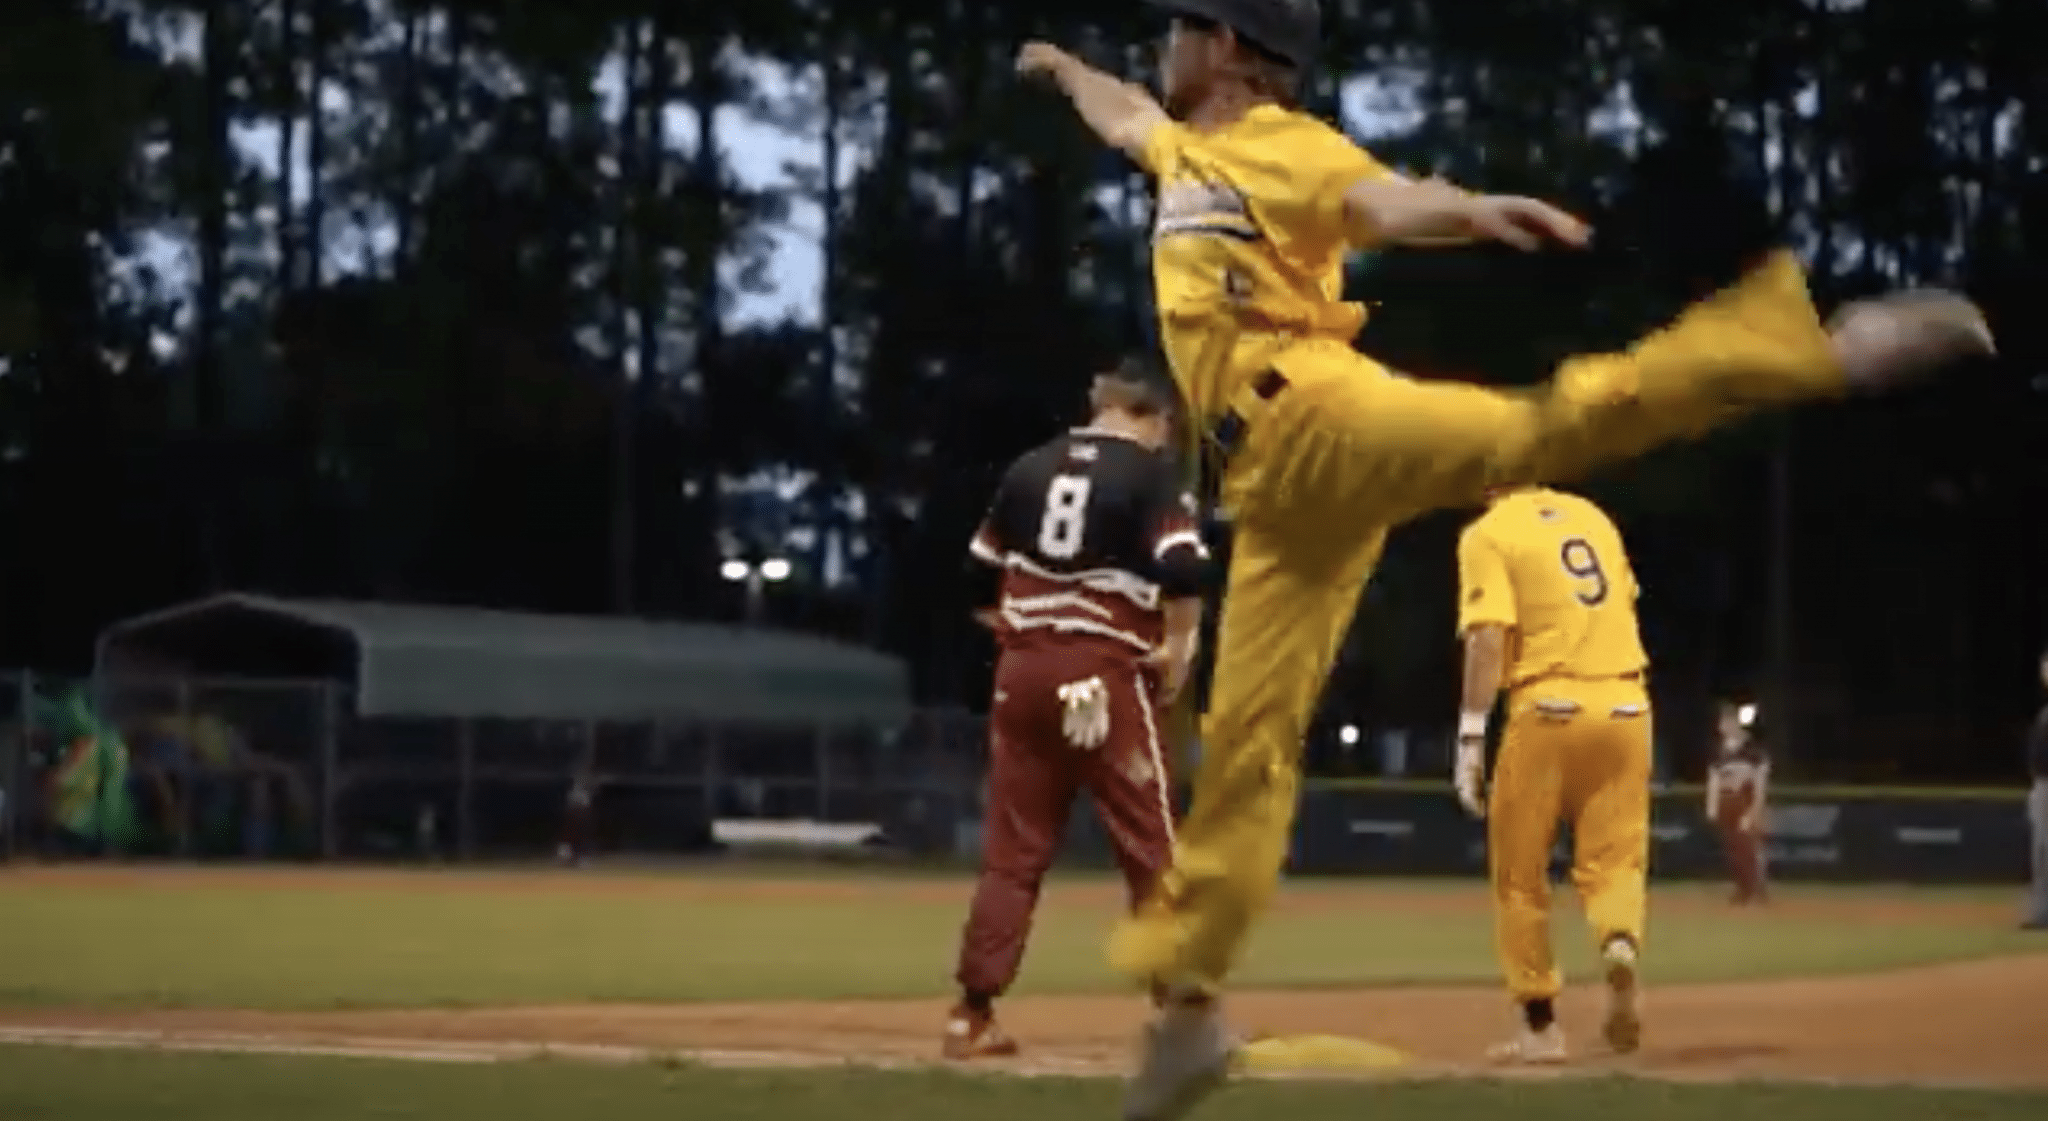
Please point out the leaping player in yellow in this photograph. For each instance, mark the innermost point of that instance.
(1320, 450)
(1547, 607)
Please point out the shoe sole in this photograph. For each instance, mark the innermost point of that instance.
(1624, 1026)
(1004, 1048)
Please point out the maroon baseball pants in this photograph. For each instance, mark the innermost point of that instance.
(1034, 775)
(1745, 853)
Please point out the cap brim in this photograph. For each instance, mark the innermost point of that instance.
(1200, 9)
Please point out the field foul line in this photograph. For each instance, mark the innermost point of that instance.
(475, 1053)
(445, 1051)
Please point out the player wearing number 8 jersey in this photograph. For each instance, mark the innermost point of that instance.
(1093, 570)
(1546, 604)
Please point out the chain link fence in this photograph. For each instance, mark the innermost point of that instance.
(270, 769)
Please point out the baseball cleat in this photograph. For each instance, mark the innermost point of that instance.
(975, 1035)
(1894, 338)
(1623, 1027)
(1186, 1055)
(1531, 1048)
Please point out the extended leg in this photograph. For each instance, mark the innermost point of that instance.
(1401, 447)
(1284, 614)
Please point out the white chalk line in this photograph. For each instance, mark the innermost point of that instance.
(479, 1053)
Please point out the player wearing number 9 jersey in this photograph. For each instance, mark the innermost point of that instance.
(1547, 609)
(1093, 569)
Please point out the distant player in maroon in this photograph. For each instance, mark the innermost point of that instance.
(1093, 568)
(1738, 781)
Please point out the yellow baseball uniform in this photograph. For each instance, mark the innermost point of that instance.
(1551, 569)
(1327, 450)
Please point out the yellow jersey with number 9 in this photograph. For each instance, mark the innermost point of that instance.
(1551, 567)
(1248, 243)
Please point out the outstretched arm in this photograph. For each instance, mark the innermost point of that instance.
(1121, 113)
(1431, 213)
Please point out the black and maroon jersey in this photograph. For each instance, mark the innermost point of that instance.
(1739, 775)
(1091, 533)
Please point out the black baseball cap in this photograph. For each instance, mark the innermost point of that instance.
(1291, 29)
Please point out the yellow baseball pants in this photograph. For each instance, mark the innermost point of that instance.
(1328, 465)
(1575, 751)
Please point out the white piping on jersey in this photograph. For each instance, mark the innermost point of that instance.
(1157, 757)
(1089, 431)
(1053, 601)
(1018, 620)
(1186, 537)
(1112, 581)
(1229, 226)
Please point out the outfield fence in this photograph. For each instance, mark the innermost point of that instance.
(268, 769)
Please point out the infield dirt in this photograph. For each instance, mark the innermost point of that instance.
(1974, 1023)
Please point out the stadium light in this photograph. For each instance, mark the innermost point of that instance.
(756, 575)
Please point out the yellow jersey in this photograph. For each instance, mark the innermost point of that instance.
(1551, 568)
(1248, 243)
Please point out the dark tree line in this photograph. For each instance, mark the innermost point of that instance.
(436, 301)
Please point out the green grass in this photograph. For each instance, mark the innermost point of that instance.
(481, 940)
(48, 1084)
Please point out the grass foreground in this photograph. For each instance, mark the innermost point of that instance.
(318, 941)
(313, 940)
(51, 1084)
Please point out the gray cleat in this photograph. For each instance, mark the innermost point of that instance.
(1187, 1054)
(1896, 338)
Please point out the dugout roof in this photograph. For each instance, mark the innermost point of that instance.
(414, 660)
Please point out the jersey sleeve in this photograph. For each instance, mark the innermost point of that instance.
(989, 545)
(985, 546)
(1299, 170)
(1163, 146)
(1485, 594)
(1339, 166)
(987, 551)
(1293, 167)
(1173, 537)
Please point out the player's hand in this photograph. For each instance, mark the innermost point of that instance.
(1470, 774)
(1525, 223)
(1042, 60)
(1169, 666)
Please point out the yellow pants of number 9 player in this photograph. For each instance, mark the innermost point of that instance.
(1577, 751)
(1327, 466)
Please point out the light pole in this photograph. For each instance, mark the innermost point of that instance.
(756, 575)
